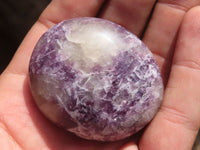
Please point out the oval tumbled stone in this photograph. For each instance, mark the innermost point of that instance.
(94, 78)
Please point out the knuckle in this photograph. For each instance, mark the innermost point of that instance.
(179, 118)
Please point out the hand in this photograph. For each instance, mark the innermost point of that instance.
(176, 48)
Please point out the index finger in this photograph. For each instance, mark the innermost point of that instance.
(162, 30)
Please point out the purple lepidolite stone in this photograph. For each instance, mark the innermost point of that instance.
(96, 79)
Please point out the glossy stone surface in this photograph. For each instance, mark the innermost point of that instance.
(96, 79)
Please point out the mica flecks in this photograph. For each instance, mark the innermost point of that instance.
(96, 79)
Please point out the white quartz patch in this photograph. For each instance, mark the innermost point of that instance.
(91, 43)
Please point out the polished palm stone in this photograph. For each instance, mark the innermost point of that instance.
(94, 78)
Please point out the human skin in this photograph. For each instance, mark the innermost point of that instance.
(172, 35)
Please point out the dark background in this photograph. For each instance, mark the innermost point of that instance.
(16, 18)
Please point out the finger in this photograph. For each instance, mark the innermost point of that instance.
(161, 32)
(132, 14)
(178, 121)
(58, 10)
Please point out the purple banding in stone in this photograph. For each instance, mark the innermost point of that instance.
(96, 79)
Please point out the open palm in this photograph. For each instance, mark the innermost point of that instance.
(175, 46)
